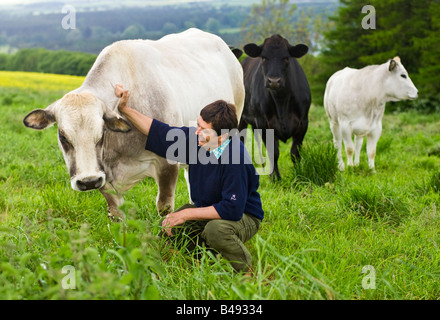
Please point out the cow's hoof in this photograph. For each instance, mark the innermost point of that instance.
(115, 218)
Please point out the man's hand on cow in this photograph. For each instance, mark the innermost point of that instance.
(124, 95)
(119, 90)
(172, 220)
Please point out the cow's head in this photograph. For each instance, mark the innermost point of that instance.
(275, 54)
(82, 121)
(398, 84)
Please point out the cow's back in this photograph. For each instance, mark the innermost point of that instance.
(170, 79)
(350, 92)
(200, 68)
(337, 92)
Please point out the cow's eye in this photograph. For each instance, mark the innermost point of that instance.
(64, 141)
(403, 76)
(264, 59)
(285, 60)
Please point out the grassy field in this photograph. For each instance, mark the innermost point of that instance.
(326, 234)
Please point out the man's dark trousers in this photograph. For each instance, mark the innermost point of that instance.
(224, 236)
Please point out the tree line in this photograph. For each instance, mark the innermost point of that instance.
(336, 37)
(47, 61)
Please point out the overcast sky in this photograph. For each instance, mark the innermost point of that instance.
(73, 1)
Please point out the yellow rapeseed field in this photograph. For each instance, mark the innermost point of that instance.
(39, 81)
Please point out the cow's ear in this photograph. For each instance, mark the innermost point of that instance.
(253, 50)
(237, 52)
(116, 123)
(298, 51)
(393, 63)
(39, 119)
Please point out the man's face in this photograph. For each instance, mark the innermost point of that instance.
(207, 136)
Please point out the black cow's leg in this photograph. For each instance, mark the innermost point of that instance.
(294, 151)
(276, 173)
(297, 141)
(272, 149)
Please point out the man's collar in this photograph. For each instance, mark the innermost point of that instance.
(219, 150)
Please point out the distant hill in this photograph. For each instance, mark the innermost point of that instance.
(32, 24)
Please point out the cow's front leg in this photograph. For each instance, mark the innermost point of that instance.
(297, 140)
(372, 140)
(166, 183)
(272, 149)
(114, 201)
(358, 146)
(337, 141)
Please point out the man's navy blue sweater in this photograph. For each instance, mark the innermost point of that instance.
(229, 183)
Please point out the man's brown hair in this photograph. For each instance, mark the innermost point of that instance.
(221, 115)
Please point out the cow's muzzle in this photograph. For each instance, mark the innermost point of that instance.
(274, 83)
(89, 183)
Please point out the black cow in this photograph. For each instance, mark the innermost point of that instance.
(277, 93)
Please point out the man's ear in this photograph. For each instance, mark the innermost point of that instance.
(298, 51)
(253, 50)
(39, 119)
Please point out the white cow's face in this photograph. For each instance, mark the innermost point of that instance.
(400, 86)
(82, 121)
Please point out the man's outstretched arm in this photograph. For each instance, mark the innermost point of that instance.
(139, 120)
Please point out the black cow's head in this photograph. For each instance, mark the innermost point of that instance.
(275, 54)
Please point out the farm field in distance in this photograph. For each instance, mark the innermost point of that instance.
(326, 234)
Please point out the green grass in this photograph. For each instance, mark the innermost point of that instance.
(321, 226)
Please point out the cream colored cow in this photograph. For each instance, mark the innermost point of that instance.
(354, 101)
(170, 79)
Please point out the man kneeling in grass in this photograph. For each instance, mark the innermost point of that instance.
(227, 209)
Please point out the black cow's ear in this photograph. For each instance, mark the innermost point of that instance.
(237, 52)
(253, 50)
(298, 51)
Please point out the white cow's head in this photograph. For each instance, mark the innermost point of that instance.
(399, 85)
(82, 120)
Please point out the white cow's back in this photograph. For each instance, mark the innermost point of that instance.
(349, 92)
(170, 79)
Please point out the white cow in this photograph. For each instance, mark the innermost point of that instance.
(170, 79)
(354, 101)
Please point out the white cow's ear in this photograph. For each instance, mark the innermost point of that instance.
(393, 65)
(114, 122)
(253, 50)
(39, 119)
